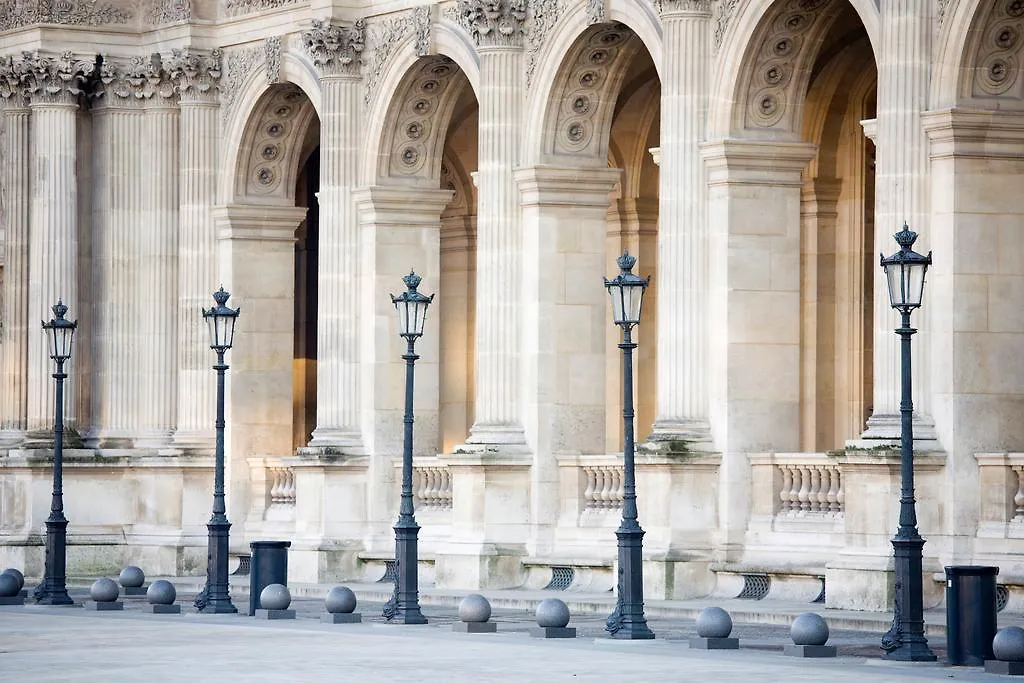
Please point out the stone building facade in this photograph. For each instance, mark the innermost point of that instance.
(756, 155)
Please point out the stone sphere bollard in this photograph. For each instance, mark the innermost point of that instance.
(275, 597)
(474, 608)
(161, 592)
(1008, 645)
(340, 600)
(809, 629)
(104, 590)
(18, 575)
(132, 577)
(714, 622)
(9, 587)
(552, 613)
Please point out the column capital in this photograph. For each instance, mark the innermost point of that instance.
(494, 23)
(756, 162)
(130, 81)
(335, 50)
(48, 79)
(686, 8)
(407, 206)
(974, 133)
(261, 223)
(195, 75)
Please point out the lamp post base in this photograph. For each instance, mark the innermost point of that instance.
(627, 622)
(53, 590)
(404, 606)
(218, 598)
(914, 651)
(905, 641)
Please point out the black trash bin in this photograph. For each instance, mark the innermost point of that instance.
(269, 564)
(970, 614)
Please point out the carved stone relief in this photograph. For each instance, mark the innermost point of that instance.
(131, 81)
(272, 52)
(1000, 50)
(196, 76)
(16, 13)
(543, 15)
(777, 62)
(275, 130)
(234, 8)
(160, 12)
(721, 15)
(584, 96)
(595, 12)
(494, 22)
(422, 20)
(45, 79)
(335, 49)
(692, 6)
(419, 125)
(382, 37)
(239, 65)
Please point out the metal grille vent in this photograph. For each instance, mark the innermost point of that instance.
(244, 563)
(390, 572)
(561, 578)
(755, 586)
(821, 595)
(1002, 597)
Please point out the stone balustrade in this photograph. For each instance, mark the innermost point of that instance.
(282, 486)
(431, 485)
(1001, 483)
(603, 487)
(811, 488)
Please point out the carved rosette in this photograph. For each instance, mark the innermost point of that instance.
(494, 23)
(335, 50)
(415, 135)
(53, 80)
(1001, 49)
(196, 76)
(131, 82)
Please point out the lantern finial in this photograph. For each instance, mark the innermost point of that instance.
(626, 262)
(412, 280)
(905, 237)
(59, 309)
(221, 297)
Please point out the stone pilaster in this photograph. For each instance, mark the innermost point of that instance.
(683, 339)
(121, 386)
(196, 77)
(335, 51)
(14, 117)
(54, 85)
(497, 28)
(157, 276)
(902, 196)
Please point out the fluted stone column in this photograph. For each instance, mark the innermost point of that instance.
(196, 77)
(16, 202)
(119, 213)
(683, 339)
(54, 86)
(498, 418)
(902, 195)
(335, 51)
(156, 367)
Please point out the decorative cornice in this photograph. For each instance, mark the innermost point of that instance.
(494, 23)
(43, 79)
(698, 7)
(130, 82)
(16, 14)
(235, 8)
(163, 12)
(335, 50)
(196, 76)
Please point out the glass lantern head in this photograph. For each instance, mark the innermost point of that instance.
(905, 271)
(60, 333)
(411, 307)
(221, 322)
(627, 292)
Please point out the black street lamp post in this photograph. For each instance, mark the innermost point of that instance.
(404, 606)
(221, 321)
(905, 640)
(60, 333)
(627, 621)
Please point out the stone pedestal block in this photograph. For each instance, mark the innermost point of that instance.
(810, 651)
(12, 601)
(116, 606)
(162, 609)
(341, 618)
(994, 666)
(714, 643)
(553, 632)
(272, 614)
(476, 627)
(134, 591)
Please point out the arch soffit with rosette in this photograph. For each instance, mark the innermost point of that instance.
(987, 74)
(765, 63)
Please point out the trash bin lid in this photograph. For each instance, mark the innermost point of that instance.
(270, 544)
(971, 570)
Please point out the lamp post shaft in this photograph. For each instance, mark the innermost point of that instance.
(218, 599)
(628, 621)
(53, 590)
(905, 640)
(404, 606)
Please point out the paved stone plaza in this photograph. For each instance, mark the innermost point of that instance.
(70, 644)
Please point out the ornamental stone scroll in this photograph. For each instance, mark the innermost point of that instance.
(494, 23)
(335, 50)
(196, 75)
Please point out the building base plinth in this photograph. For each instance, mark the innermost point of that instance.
(162, 609)
(714, 643)
(810, 651)
(116, 606)
(474, 627)
(553, 632)
(272, 614)
(352, 618)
